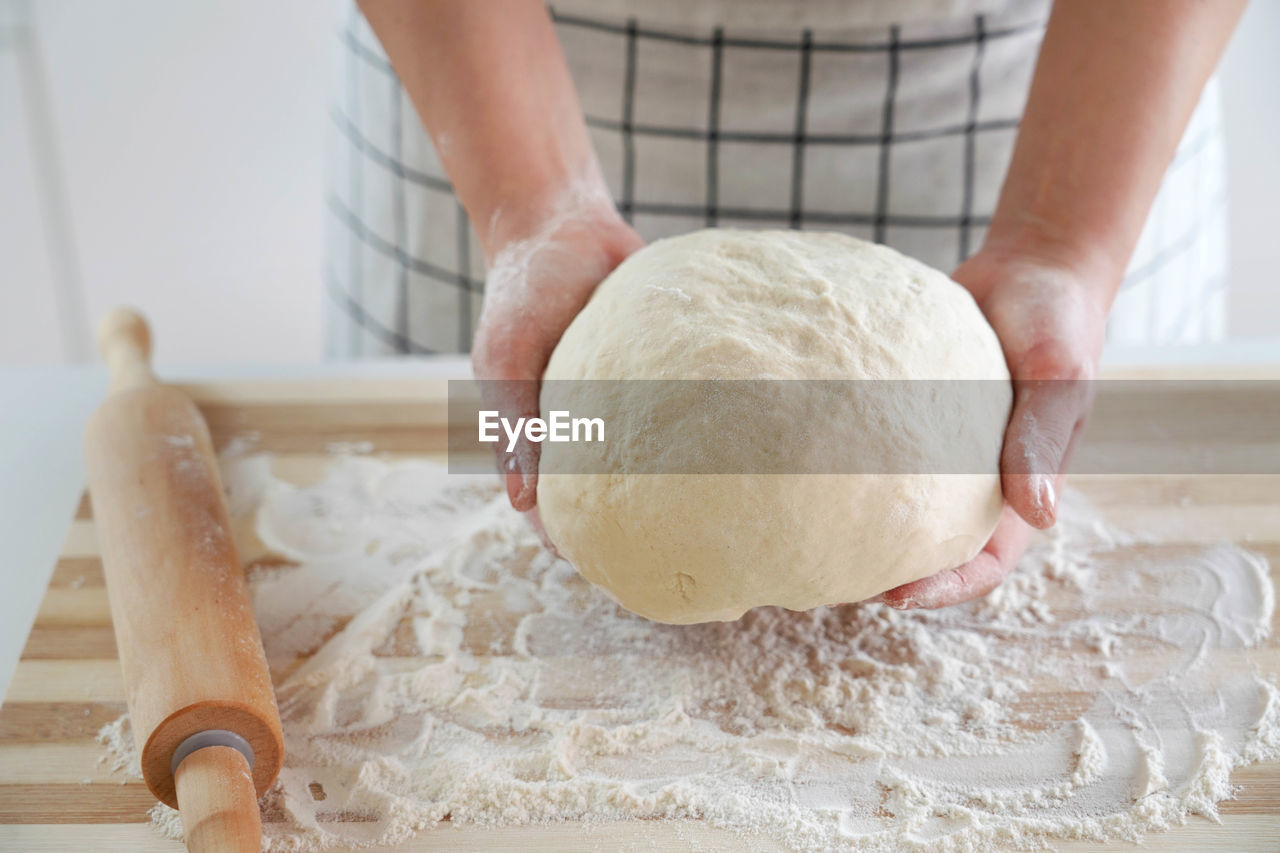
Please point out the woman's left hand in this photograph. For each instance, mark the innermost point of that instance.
(1051, 327)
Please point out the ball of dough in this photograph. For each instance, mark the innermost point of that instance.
(760, 305)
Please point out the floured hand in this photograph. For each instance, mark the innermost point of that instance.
(1051, 330)
(542, 270)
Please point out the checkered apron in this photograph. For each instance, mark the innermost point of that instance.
(898, 132)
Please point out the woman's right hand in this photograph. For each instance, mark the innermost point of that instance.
(542, 268)
(492, 87)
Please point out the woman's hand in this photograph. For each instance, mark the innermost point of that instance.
(542, 269)
(492, 87)
(1051, 326)
(1113, 89)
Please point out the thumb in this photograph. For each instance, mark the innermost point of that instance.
(516, 401)
(1049, 411)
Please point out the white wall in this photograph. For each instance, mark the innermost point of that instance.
(29, 328)
(191, 138)
(1251, 104)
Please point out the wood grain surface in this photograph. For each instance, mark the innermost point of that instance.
(56, 793)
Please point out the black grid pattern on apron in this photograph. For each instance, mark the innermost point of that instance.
(460, 277)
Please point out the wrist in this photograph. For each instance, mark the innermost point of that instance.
(1050, 316)
(1034, 241)
(995, 271)
(540, 209)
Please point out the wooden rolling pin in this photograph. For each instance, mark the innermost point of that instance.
(201, 705)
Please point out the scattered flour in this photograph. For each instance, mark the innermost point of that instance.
(432, 660)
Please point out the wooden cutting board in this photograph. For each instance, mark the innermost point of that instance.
(56, 794)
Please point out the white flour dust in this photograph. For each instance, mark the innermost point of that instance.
(433, 661)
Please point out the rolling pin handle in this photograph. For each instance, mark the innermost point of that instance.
(218, 803)
(125, 343)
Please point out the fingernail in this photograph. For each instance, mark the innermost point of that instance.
(1046, 497)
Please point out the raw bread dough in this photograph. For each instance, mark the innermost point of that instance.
(752, 305)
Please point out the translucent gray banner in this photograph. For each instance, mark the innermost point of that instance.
(1130, 427)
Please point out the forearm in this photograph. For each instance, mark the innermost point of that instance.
(489, 81)
(1114, 87)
